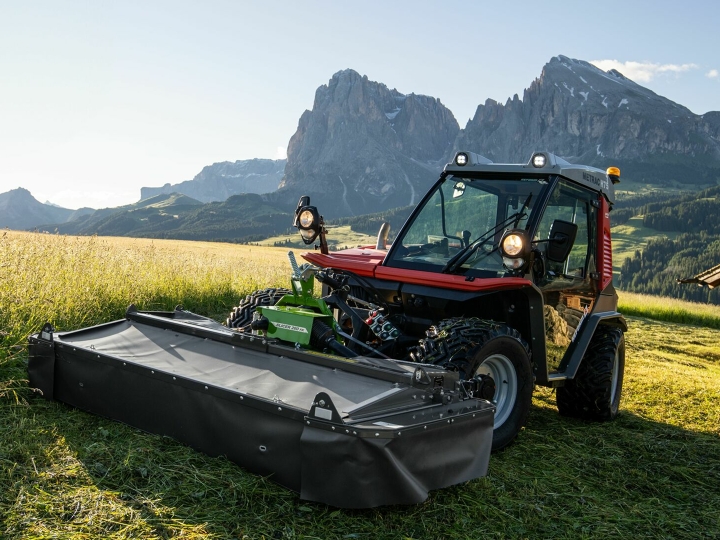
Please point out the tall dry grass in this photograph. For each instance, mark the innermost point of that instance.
(665, 309)
(73, 282)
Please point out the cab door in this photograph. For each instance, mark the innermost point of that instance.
(568, 286)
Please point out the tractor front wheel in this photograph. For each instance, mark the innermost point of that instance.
(241, 316)
(476, 347)
(594, 393)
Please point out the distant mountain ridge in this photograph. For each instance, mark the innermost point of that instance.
(365, 148)
(20, 210)
(219, 181)
(240, 217)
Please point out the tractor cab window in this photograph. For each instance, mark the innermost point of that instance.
(466, 216)
(571, 204)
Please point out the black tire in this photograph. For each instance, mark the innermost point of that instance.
(241, 316)
(594, 393)
(475, 346)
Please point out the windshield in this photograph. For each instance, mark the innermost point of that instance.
(466, 214)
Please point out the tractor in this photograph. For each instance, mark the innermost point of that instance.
(413, 361)
(502, 274)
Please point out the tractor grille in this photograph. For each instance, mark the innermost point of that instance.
(606, 261)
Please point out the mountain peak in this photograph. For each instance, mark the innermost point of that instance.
(20, 210)
(368, 142)
(600, 118)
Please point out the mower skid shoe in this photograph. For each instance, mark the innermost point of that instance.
(347, 432)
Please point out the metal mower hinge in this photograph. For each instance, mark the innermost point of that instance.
(324, 409)
(47, 331)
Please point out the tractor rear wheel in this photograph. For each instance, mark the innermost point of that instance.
(241, 316)
(594, 393)
(478, 347)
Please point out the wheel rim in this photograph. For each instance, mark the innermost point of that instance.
(615, 377)
(502, 371)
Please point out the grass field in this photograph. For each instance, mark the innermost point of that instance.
(339, 237)
(653, 473)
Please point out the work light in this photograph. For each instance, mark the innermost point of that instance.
(539, 160)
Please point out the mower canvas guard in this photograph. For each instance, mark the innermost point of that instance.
(349, 432)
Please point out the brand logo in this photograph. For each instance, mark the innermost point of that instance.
(291, 327)
(600, 182)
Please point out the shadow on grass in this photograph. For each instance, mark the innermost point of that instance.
(65, 472)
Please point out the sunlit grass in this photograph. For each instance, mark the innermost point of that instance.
(669, 309)
(73, 282)
(339, 237)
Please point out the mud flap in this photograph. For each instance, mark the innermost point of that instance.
(350, 470)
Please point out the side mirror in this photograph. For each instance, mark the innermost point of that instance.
(307, 220)
(562, 238)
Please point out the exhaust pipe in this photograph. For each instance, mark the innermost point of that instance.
(383, 236)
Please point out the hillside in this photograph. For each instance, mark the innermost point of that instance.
(152, 215)
(239, 218)
(686, 242)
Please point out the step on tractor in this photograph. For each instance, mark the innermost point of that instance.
(383, 371)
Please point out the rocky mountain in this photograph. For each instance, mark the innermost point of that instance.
(20, 210)
(364, 147)
(219, 181)
(599, 118)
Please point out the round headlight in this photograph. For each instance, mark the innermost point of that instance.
(539, 160)
(461, 159)
(512, 245)
(306, 219)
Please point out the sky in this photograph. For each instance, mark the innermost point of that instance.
(99, 98)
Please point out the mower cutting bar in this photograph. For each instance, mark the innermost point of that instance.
(347, 432)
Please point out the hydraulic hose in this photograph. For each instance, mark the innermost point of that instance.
(323, 336)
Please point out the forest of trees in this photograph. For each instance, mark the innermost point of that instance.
(657, 269)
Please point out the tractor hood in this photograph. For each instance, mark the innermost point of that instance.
(367, 262)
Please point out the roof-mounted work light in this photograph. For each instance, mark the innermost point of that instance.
(539, 160)
(461, 159)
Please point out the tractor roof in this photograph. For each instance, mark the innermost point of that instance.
(467, 163)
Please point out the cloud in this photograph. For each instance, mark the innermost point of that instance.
(644, 71)
(712, 74)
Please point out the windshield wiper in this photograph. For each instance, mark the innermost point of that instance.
(457, 260)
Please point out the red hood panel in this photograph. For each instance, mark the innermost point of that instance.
(358, 260)
(449, 281)
(367, 262)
